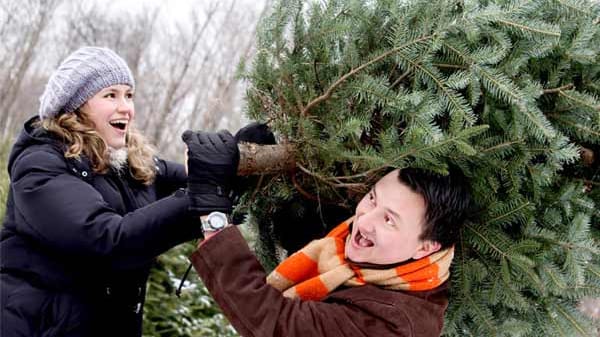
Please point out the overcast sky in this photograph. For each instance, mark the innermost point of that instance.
(171, 7)
(173, 11)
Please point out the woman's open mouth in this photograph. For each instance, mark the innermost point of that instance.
(120, 124)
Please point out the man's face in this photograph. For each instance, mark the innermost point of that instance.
(387, 225)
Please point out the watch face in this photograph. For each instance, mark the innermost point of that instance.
(217, 220)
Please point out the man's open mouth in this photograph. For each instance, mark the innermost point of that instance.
(362, 241)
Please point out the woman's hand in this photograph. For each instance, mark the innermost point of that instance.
(212, 166)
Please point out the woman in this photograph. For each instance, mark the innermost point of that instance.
(89, 208)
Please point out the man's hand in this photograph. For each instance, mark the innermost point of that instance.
(257, 133)
(212, 165)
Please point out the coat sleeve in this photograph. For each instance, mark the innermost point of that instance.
(66, 214)
(236, 280)
(170, 176)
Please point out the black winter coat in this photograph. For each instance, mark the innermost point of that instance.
(76, 247)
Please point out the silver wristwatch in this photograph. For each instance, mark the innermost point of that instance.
(214, 221)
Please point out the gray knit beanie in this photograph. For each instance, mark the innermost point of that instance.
(79, 77)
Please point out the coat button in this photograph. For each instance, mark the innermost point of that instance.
(84, 173)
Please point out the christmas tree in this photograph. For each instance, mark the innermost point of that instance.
(507, 91)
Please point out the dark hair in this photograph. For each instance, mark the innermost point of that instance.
(448, 202)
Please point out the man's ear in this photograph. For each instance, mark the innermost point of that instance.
(426, 248)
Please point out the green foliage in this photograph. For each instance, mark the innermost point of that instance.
(506, 90)
(193, 314)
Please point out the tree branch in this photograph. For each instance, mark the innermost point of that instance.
(559, 89)
(354, 71)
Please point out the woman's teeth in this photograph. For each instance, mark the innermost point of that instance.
(121, 125)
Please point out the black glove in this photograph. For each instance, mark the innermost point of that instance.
(212, 166)
(257, 133)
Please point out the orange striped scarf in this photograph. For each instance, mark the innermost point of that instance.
(321, 266)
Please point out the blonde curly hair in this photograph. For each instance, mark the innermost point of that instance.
(79, 133)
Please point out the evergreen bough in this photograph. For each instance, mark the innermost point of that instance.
(505, 90)
(193, 314)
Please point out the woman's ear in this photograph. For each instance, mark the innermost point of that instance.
(427, 247)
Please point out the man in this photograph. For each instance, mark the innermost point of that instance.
(383, 272)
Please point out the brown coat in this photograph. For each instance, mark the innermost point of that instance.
(236, 280)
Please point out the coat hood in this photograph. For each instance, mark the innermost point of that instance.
(29, 136)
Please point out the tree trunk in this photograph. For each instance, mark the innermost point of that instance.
(258, 159)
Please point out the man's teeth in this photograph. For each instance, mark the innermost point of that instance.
(362, 241)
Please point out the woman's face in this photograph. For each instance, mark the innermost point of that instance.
(112, 111)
